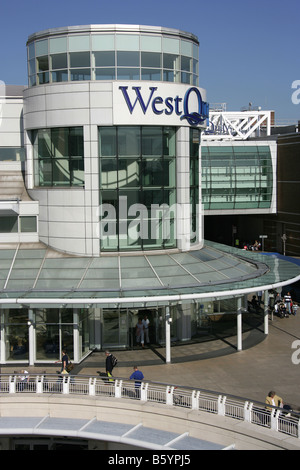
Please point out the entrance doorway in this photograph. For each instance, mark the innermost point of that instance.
(119, 326)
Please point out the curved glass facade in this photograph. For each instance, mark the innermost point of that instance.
(110, 55)
(58, 156)
(236, 177)
(137, 177)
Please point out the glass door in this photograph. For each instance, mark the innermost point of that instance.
(115, 328)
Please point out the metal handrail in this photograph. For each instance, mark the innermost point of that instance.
(257, 413)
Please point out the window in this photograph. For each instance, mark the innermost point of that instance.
(58, 156)
(236, 177)
(112, 56)
(137, 170)
(194, 177)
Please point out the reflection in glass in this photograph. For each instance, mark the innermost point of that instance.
(58, 156)
(16, 334)
(104, 58)
(142, 173)
(151, 57)
(237, 177)
(59, 61)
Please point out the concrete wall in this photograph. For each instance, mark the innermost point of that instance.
(200, 425)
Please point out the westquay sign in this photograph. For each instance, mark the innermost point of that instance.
(163, 104)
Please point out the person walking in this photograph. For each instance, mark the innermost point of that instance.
(140, 332)
(137, 376)
(108, 363)
(146, 323)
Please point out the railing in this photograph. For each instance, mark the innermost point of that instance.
(237, 408)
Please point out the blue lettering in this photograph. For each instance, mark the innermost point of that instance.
(157, 100)
(195, 117)
(138, 98)
(169, 105)
(177, 100)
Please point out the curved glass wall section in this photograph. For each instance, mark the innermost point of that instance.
(195, 137)
(58, 156)
(112, 56)
(236, 177)
(137, 177)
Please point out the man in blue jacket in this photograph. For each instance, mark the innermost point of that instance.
(137, 375)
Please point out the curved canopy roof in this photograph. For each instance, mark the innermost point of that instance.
(33, 274)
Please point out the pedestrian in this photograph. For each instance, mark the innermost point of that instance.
(146, 323)
(288, 303)
(259, 297)
(109, 363)
(64, 361)
(274, 400)
(137, 376)
(24, 379)
(139, 332)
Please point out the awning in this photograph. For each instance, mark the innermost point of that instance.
(34, 275)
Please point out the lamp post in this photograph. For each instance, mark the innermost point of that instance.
(284, 238)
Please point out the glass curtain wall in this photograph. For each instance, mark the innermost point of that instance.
(137, 176)
(236, 177)
(120, 56)
(58, 156)
(195, 136)
(16, 333)
(54, 332)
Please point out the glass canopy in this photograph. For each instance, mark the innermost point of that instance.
(35, 275)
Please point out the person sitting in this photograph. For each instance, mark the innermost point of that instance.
(274, 400)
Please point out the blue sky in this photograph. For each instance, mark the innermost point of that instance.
(249, 50)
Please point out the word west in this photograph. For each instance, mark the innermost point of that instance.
(169, 105)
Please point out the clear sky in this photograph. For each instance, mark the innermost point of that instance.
(249, 50)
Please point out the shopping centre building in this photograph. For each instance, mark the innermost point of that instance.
(109, 162)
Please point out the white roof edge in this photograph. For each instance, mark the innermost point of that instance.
(145, 299)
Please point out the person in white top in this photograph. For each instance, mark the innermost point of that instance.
(288, 302)
(140, 332)
(146, 322)
(24, 379)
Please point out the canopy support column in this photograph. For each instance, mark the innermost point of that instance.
(266, 312)
(239, 324)
(168, 335)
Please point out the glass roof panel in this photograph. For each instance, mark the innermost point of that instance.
(63, 277)
(100, 284)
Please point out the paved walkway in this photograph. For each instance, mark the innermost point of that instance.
(264, 364)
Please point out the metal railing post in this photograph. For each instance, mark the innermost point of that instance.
(118, 388)
(274, 419)
(12, 384)
(144, 391)
(169, 395)
(221, 405)
(66, 385)
(92, 386)
(247, 411)
(195, 400)
(39, 384)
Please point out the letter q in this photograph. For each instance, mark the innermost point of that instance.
(295, 358)
(296, 94)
